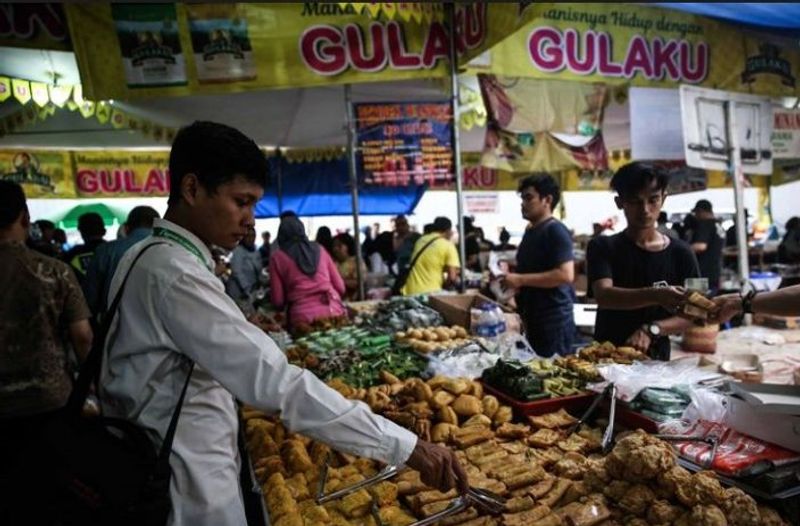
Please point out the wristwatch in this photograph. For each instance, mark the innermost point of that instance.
(652, 329)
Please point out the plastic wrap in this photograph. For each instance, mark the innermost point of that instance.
(630, 380)
(471, 360)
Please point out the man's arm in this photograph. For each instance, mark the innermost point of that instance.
(699, 247)
(563, 274)
(80, 334)
(196, 313)
(610, 297)
(781, 302)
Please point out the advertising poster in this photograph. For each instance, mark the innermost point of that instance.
(404, 143)
(786, 134)
(220, 42)
(41, 173)
(150, 44)
(121, 173)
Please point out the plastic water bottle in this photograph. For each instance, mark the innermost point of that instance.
(491, 322)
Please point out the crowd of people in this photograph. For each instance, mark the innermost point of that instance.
(181, 311)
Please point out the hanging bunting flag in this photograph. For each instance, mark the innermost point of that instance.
(373, 8)
(39, 94)
(22, 90)
(87, 108)
(146, 127)
(59, 95)
(77, 95)
(134, 123)
(5, 88)
(71, 106)
(102, 112)
(41, 113)
(118, 119)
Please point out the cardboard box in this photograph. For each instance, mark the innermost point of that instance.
(777, 428)
(455, 308)
(777, 322)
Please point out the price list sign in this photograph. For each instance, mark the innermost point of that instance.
(400, 144)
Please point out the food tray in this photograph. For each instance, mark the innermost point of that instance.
(574, 405)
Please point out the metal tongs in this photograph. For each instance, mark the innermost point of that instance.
(481, 498)
(609, 391)
(712, 441)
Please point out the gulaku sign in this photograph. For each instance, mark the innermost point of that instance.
(642, 46)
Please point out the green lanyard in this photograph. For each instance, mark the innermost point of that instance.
(182, 241)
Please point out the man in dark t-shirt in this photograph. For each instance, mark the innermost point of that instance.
(545, 270)
(636, 275)
(706, 243)
(92, 230)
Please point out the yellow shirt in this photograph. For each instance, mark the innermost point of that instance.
(427, 275)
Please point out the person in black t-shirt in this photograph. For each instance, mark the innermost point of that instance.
(92, 230)
(545, 270)
(628, 271)
(706, 242)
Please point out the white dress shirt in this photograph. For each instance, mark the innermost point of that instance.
(174, 310)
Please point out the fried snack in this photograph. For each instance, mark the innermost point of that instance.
(502, 415)
(419, 500)
(571, 466)
(476, 389)
(508, 465)
(298, 486)
(540, 489)
(770, 517)
(588, 514)
(493, 485)
(485, 453)
(662, 512)
(295, 456)
(448, 416)
(293, 519)
(698, 307)
(509, 430)
(674, 478)
(550, 520)
(443, 432)
(518, 504)
(384, 493)
(525, 478)
(638, 457)
(526, 517)
(740, 508)
(576, 491)
(703, 515)
(356, 504)
(467, 405)
(554, 495)
(514, 447)
(313, 514)
(616, 489)
(574, 443)
(637, 500)
(478, 420)
(456, 386)
(280, 503)
(409, 483)
(442, 398)
(480, 521)
(554, 420)
(547, 457)
(544, 438)
(471, 436)
(433, 508)
(395, 516)
(459, 518)
(595, 475)
(318, 453)
(707, 489)
(490, 405)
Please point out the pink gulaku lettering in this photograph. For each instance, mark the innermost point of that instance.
(638, 58)
(605, 48)
(576, 64)
(155, 182)
(545, 50)
(700, 61)
(110, 181)
(322, 50)
(87, 181)
(437, 46)
(474, 28)
(358, 47)
(400, 58)
(664, 59)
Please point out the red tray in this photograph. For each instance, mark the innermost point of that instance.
(574, 405)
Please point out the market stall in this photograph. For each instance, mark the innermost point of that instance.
(550, 438)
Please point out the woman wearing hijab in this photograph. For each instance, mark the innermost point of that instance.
(325, 238)
(304, 278)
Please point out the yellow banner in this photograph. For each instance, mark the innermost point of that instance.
(643, 46)
(138, 50)
(109, 173)
(41, 173)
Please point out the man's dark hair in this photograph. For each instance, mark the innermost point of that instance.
(91, 225)
(348, 241)
(287, 213)
(637, 176)
(662, 218)
(427, 229)
(12, 203)
(544, 184)
(44, 224)
(441, 224)
(141, 217)
(215, 153)
(505, 236)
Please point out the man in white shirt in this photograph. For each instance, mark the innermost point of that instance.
(174, 311)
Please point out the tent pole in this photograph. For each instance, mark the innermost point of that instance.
(738, 193)
(351, 168)
(279, 179)
(456, 146)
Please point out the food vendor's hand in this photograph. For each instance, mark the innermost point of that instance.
(438, 467)
(671, 298)
(512, 281)
(728, 305)
(639, 340)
